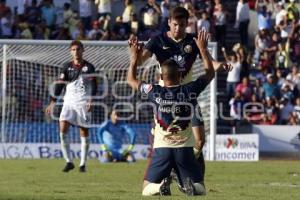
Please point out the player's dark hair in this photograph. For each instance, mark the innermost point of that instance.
(170, 69)
(179, 13)
(77, 43)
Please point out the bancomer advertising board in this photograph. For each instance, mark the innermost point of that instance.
(242, 147)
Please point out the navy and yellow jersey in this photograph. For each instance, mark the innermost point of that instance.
(174, 108)
(184, 52)
(79, 81)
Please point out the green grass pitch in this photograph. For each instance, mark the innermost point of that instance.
(43, 179)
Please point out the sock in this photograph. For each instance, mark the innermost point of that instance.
(200, 189)
(84, 149)
(65, 146)
(151, 189)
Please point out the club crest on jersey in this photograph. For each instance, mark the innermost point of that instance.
(179, 60)
(188, 49)
(85, 69)
(146, 88)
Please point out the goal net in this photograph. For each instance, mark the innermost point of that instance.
(28, 68)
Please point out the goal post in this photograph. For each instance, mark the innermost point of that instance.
(30, 66)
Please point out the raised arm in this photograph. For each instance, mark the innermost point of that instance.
(135, 51)
(145, 55)
(201, 42)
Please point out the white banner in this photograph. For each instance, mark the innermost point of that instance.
(49, 150)
(278, 138)
(242, 147)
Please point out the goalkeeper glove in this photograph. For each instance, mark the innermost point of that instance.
(129, 149)
(197, 152)
(105, 149)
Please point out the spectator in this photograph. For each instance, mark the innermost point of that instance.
(79, 30)
(280, 79)
(192, 21)
(297, 110)
(49, 14)
(150, 14)
(203, 22)
(293, 12)
(282, 56)
(67, 15)
(3, 7)
(134, 25)
(6, 25)
(128, 11)
(236, 109)
(254, 110)
(257, 89)
(165, 9)
(285, 27)
(85, 13)
(97, 33)
(286, 109)
(242, 20)
(220, 24)
(245, 89)
(262, 41)
(233, 77)
(104, 8)
(294, 79)
(270, 87)
(281, 13)
(33, 13)
(286, 92)
(120, 30)
(270, 112)
(25, 31)
(273, 45)
(21, 5)
(264, 17)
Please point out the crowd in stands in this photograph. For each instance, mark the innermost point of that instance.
(265, 80)
(264, 87)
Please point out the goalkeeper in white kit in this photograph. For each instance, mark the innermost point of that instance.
(77, 76)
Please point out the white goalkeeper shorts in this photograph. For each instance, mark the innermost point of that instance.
(76, 115)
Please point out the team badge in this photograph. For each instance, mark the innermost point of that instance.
(146, 88)
(188, 49)
(62, 76)
(84, 69)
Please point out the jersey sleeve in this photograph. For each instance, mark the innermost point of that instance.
(60, 83)
(131, 133)
(152, 45)
(149, 90)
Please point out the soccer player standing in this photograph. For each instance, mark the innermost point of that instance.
(179, 46)
(174, 106)
(77, 77)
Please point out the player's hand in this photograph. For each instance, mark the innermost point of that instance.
(128, 150)
(226, 66)
(49, 108)
(197, 152)
(132, 40)
(202, 39)
(89, 106)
